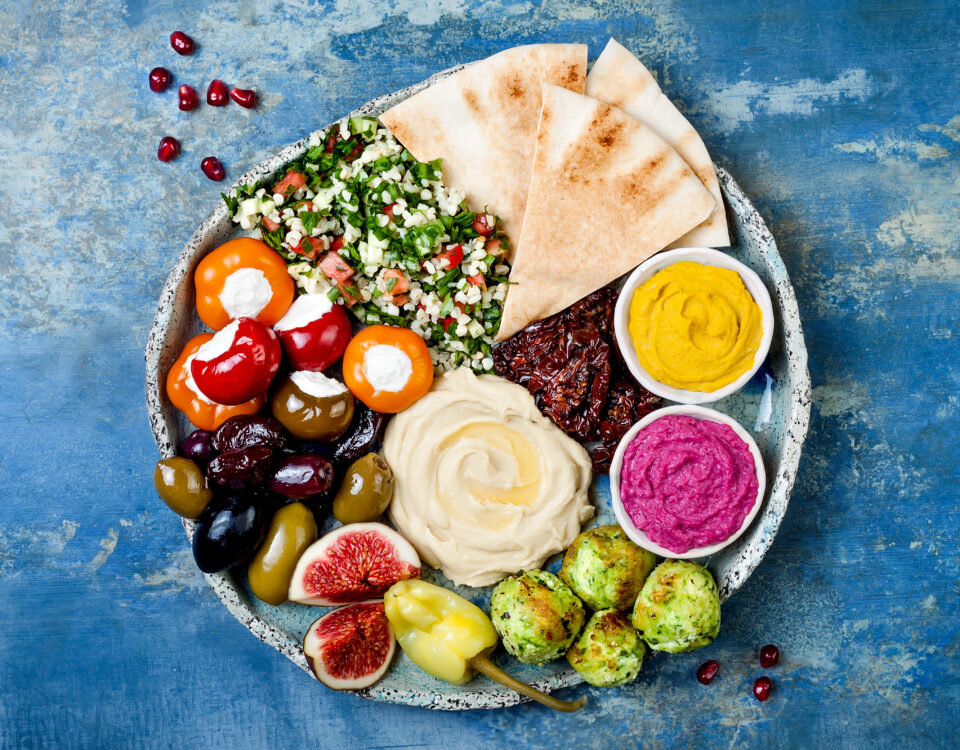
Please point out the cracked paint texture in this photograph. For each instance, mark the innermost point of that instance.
(839, 119)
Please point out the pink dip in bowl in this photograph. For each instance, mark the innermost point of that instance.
(687, 482)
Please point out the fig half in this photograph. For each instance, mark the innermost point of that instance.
(354, 563)
(351, 647)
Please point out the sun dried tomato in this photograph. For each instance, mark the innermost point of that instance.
(571, 364)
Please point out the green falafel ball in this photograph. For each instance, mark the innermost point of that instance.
(678, 608)
(605, 568)
(536, 615)
(609, 651)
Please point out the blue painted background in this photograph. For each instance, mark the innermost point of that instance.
(840, 120)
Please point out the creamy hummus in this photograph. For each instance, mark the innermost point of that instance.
(695, 326)
(687, 482)
(486, 485)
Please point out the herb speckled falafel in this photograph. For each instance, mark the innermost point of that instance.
(678, 608)
(609, 651)
(536, 615)
(605, 568)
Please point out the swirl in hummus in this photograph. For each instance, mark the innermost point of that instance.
(486, 485)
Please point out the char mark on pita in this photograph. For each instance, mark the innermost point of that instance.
(606, 193)
(620, 79)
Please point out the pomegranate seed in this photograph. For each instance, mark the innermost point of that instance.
(769, 656)
(212, 168)
(181, 43)
(187, 98)
(708, 670)
(761, 688)
(169, 148)
(217, 93)
(159, 79)
(244, 97)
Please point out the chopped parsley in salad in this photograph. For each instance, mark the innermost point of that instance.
(359, 219)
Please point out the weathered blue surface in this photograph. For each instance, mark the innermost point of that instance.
(839, 120)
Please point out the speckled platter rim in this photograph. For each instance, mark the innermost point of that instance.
(750, 548)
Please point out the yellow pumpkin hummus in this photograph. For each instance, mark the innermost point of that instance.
(695, 326)
(485, 485)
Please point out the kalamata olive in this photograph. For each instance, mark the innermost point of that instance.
(365, 492)
(301, 475)
(181, 485)
(246, 431)
(198, 447)
(291, 531)
(228, 532)
(239, 469)
(363, 435)
(321, 410)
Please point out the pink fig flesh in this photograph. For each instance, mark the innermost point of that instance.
(354, 563)
(350, 648)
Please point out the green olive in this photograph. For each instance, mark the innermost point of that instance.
(311, 417)
(182, 486)
(292, 530)
(366, 490)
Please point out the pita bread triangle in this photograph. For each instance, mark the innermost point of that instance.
(620, 79)
(606, 193)
(482, 121)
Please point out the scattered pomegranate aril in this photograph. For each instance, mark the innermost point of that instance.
(182, 44)
(188, 98)
(761, 688)
(212, 168)
(707, 671)
(217, 93)
(769, 656)
(169, 148)
(244, 97)
(159, 79)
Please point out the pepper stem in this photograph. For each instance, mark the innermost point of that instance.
(483, 665)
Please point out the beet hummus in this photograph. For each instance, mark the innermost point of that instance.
(687, 482)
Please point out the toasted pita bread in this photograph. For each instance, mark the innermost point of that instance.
(620, 79)
(482, 121)
(606, 193)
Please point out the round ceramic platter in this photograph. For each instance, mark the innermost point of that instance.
(774, 407)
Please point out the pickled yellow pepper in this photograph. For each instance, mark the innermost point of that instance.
(450, 638)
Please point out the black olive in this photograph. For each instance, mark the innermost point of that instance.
(198, 447)
(228, 532)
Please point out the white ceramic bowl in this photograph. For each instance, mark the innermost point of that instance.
(639, 536)
(709, 257)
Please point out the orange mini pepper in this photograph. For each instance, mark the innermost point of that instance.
(244, 252)
(202, 414)
(357, 378)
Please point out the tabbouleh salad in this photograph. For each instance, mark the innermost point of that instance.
(359, 219)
